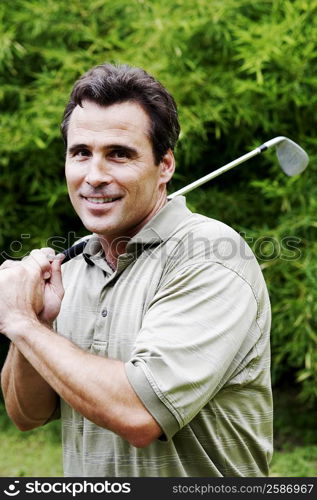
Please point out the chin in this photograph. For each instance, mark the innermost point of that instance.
(95, 227)
(107, 230)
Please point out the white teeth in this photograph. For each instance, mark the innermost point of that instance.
(100, 200)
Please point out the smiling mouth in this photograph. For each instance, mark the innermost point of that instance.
(98, 200)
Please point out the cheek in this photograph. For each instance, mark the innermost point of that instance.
(73, 176)
(141, 179)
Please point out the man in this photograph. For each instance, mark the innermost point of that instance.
(161, 364)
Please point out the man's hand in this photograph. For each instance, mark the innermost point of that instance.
(30, 289)
(53, 292)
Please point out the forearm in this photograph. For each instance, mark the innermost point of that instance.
(30, 401)
(94, 386)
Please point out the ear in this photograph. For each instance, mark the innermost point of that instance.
(167, 167)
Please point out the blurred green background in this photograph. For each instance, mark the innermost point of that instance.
(241, 72)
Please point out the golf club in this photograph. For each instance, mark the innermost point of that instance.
(291, 157)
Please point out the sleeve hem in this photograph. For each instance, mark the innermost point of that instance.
(151, 400)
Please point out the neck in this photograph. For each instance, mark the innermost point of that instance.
(113, 249)
(115, 245)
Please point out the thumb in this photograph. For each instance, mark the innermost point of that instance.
(56, 274)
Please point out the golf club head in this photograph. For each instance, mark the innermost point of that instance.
(292, 158)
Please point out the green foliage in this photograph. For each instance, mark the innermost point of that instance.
(35, 453)
(299, 462)
(295, 436)
(241, 72)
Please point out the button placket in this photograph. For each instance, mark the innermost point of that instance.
(101, 332)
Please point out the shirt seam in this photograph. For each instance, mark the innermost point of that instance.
(198, 264)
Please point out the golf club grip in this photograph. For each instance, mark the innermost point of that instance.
(73, 251)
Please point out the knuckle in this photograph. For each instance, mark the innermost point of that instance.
(39, 257)
(10, 264)
(34, 255)
(6, 263)
(48, 252)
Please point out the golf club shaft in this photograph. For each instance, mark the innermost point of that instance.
(215, 173)
(225, 168)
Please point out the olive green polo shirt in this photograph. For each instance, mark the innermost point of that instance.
(187, 311)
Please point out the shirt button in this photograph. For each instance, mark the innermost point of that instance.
(104, 313)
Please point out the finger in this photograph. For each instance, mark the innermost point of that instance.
(9, 263)
(56, 276)
(48, 252)
(38, 261)
(60, 257)
(57, 263)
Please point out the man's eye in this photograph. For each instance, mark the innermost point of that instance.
(82, 153)
(120, 154)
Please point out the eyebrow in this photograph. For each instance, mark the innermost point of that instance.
(112, 147)
(76, 147)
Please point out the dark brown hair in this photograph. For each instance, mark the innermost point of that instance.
(108, 84)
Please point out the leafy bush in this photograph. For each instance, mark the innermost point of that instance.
(241, 72)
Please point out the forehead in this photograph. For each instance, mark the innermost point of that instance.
(117, 120)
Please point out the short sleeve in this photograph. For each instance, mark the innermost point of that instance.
(198, 330)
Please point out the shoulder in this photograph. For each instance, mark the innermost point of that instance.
(200, 238)
(214, 247)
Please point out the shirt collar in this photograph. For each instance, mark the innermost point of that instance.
(159, 228)
(163, 224)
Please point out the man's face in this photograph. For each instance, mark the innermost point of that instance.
(113, 182)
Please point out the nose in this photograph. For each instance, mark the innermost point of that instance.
(98, 173)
